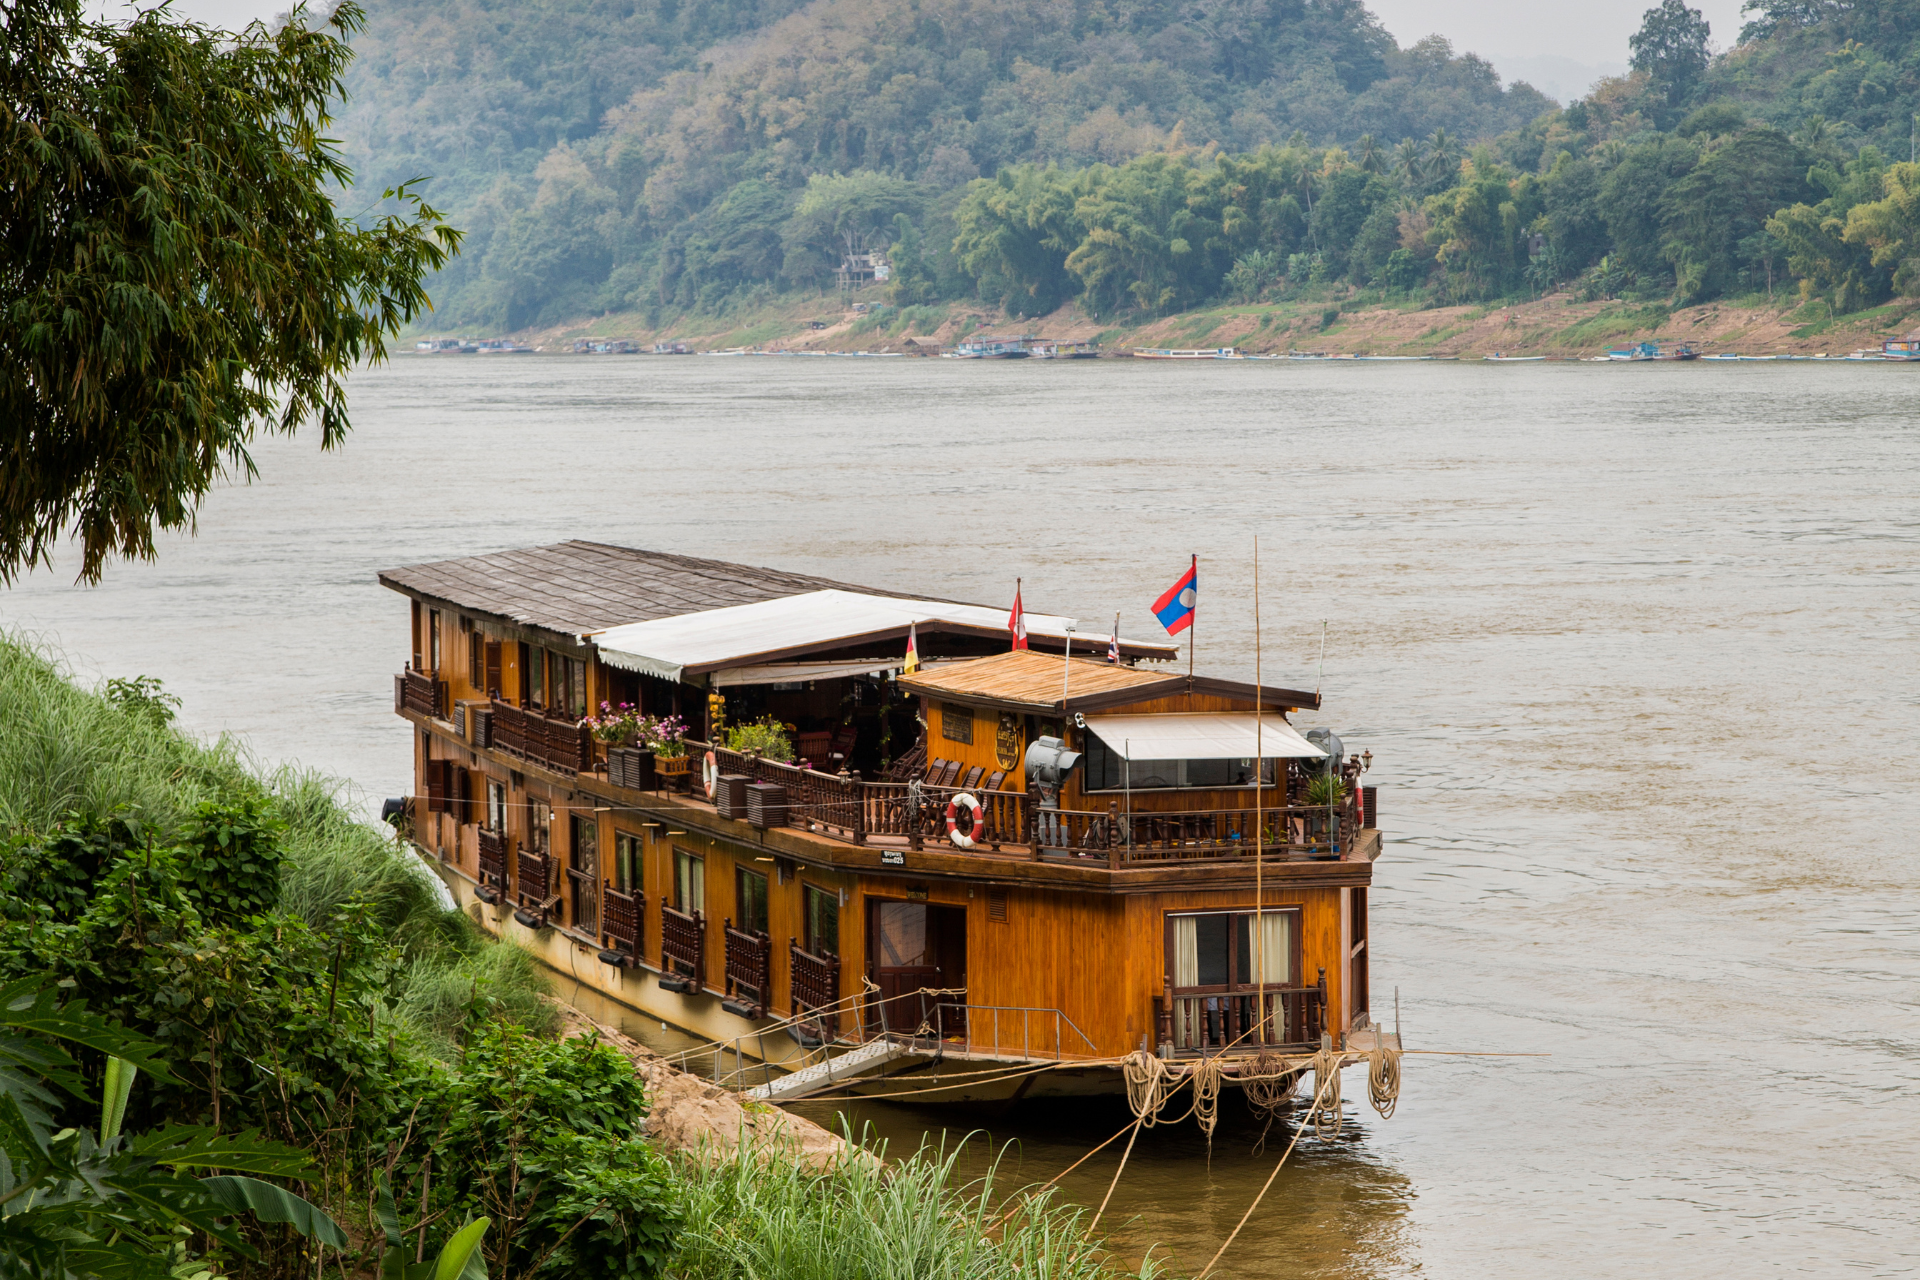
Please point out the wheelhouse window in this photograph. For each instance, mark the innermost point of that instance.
(627, 861)
(750, 893)
(823, 921)
(1106, 770)
(689, 882)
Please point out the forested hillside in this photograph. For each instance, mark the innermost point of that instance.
(609, 154)
(664, 157)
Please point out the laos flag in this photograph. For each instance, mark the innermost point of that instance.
(1175, 608)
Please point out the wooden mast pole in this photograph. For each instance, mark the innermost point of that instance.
(1259, 814)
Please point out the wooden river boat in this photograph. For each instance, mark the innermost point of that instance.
(996, 876)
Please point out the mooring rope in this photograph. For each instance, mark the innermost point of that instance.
(1228, 1242)
(1327, 1117)
(1383, 1077)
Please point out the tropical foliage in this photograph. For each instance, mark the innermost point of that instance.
(173, 271)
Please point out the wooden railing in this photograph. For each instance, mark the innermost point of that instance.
(560, 743)
(749, 968)
(419, 692)
(1143, 838)
(533, 883)
(683, 944)
(1241, 1020)
(493, 859)
(815, 983)
(1011, 822)
(622, 923)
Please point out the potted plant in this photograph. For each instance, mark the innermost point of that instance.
(764, 738)
(666, 737)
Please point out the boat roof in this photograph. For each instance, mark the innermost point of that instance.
(1023, 680)
(675, 615)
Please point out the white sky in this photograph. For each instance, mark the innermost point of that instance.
(1521, 37)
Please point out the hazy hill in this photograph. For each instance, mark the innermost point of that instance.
(575, 139)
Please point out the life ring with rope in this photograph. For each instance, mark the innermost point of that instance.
(976, 823)
(710, 775)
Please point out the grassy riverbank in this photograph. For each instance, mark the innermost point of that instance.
(301, 980)
(1553, 326)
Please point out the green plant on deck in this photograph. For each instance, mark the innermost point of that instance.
(766, 738)
(1326, 788)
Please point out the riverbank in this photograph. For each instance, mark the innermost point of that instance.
(1555, 326)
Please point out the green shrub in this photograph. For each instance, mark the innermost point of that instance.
(766, 738)
(761, 1216)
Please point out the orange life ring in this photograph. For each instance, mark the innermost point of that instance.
(965, 800)
(710, 775)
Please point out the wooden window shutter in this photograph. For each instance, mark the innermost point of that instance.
(436, 786)
(997, 906)
(492, 685)
(462, 808)
(477, 660)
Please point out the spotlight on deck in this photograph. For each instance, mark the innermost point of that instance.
(1049, 762)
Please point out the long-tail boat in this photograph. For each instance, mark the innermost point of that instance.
(996, 875)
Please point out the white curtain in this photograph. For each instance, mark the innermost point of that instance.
(1186, 973)
(1273, 949)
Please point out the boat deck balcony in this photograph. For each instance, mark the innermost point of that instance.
(1012, 826)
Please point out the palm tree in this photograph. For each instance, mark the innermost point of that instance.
(1406, 160)
(1443, 157)
(1367, 154)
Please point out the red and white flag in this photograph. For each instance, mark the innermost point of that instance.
(1017, 620)
(1113, 642)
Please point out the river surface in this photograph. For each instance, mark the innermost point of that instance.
(1633, 648)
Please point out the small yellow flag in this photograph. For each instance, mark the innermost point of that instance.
(912, 664)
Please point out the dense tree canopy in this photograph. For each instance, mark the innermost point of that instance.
(1138, 158)
(173, 271)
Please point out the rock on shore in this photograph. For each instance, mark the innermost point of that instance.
(692, 1115)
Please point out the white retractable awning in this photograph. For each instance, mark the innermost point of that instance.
(785, 672)
(1202, 736)
(764, 634)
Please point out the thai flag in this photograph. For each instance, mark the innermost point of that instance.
(1175, 608)
(1113, 642)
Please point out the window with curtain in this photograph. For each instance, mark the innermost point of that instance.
(496, 806)
(1231, 950)
(689, 882)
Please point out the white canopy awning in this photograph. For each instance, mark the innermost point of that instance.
(1202, 736)
(762, 634)
(787, 672)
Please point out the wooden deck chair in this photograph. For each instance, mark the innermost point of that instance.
(994, 780)
(934, 770)
(950, 773)
(973, 777)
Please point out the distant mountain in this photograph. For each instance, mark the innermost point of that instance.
(577, 141)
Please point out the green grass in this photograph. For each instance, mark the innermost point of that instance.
(66, 750)
(758, 1216)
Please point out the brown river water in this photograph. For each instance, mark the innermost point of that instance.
(1634, 650)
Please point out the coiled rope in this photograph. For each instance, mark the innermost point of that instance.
(1326, 1113)
(1383, 1077)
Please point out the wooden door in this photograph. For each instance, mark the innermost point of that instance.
(918, 954)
